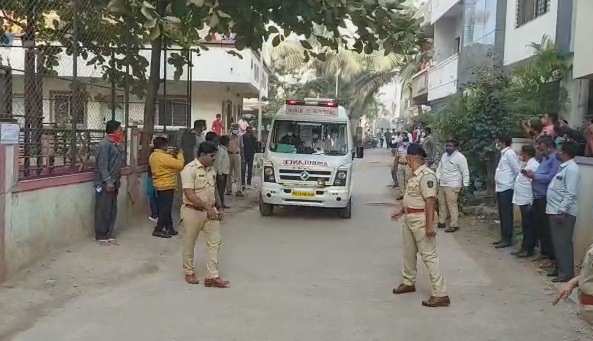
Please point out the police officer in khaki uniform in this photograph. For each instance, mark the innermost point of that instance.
(236, 152)
(419, 229)
(403, 169)
(199, 214)
(585, 283)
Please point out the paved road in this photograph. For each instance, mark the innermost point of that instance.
(308, 275)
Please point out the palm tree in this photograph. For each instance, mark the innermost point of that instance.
(360, 75)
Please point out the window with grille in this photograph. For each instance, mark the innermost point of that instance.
(63, 108)
(173, 111)
(528, 10)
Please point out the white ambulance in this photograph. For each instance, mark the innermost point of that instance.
(308, 158)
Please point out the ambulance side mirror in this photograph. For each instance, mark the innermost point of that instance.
(359, 152)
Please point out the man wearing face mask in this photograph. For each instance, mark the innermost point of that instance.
(316, 142)
(335, 143)
(453, 176)
(108, 163)
(419, 230)
(504, 177)
(523, 197)
(562, 207)
(235, 150)
(290, 138)
(541, 178)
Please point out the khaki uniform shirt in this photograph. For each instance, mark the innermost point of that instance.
(421, 185)
(235, 144)
(586, 281)
(201, 179)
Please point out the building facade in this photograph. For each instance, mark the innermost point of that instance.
(216, 83)
(471, 34)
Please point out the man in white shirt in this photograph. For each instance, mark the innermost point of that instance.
(453, 175)
(506, 172)
(523, 197)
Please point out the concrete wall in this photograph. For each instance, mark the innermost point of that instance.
(583, 234)
(446, 31)
(42, 220)
(582, 43)
(442, 78)
(41, 215)
(440, 8)
(517, 39)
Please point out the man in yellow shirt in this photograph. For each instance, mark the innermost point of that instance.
(165, 165)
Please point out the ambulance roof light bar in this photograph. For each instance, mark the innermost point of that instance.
(321, 102)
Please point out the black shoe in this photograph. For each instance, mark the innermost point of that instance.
(497, 242)
(552, 272)
(442, 226)
(525, 254)
(225, 206)
(160, 234)
(172, 232)
(503, 245)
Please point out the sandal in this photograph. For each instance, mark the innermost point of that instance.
(113, 241)
(103, 242)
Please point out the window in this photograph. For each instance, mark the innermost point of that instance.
(173, 111)
(309, 138)
(528, 10)
(62, 107)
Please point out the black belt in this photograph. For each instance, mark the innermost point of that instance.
(194, 207)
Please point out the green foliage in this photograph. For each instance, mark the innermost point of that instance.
(124, 26)
(476, 117)
(497, 102)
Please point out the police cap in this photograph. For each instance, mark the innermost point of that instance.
(416, 149)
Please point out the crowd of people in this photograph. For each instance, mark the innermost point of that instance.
(542, 180)
(233, 165)
(211, 166)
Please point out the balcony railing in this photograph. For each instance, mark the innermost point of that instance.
(420, 83)
(442, 78)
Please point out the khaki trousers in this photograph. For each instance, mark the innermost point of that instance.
(235, 173)
(195, 222)
(416, 242)
(448, 205)
(403, 174)
(587, 313)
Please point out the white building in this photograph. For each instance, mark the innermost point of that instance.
(446, 17)
(437, 79)
(217, 83)
(567, 24)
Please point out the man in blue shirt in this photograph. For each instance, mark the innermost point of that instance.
(562, 209)
(548, 167)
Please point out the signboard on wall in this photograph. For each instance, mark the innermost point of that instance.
(9, 133)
